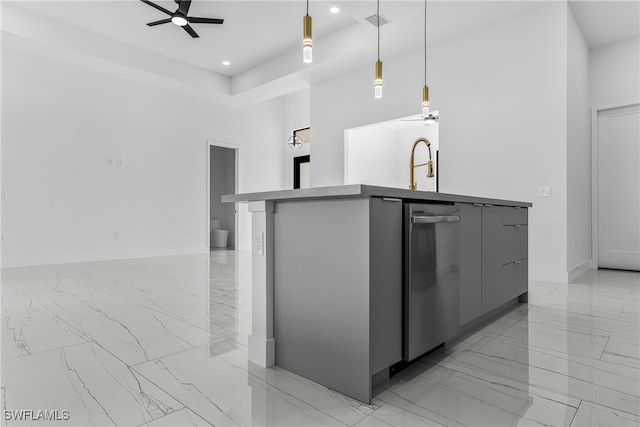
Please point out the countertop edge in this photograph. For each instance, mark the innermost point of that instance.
(360, 190)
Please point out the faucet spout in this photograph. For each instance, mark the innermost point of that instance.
(429, 164)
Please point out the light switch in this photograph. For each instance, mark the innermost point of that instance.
(544, 191)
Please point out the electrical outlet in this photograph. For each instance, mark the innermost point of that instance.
(544, 191)
(116, 235)
(109, 161)
(3, 196)
(119, 163)
(258, 244)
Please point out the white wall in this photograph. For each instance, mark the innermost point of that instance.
(613, 74)
(61, 122)
(370, 156)
(380, 154)
(578, 152)
(502, 96)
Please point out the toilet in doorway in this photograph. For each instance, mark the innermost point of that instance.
(219, 236)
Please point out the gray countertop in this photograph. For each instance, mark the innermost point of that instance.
(359, 190)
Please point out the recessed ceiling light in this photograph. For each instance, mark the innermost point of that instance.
(334, 9)
(226, 63)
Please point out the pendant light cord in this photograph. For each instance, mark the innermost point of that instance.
(425, 42)
(378, 16)
(307, 7)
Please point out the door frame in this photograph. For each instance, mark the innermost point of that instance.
(212, 143)
(297, 161)
(594, 174)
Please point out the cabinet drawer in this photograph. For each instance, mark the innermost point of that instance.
(513, 216)
(514, 243)
(515, 279)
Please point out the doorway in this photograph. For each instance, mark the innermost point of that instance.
(222, 179)
(618, 188)
(302, 172)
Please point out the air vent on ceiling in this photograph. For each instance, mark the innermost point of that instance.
(373, 20)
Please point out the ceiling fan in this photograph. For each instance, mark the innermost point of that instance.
(180, 18)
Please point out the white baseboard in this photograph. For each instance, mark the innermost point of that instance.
(579, 270)
(262, 351)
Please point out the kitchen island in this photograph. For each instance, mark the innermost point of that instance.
(329, 266)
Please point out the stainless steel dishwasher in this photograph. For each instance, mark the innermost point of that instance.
(431, 278)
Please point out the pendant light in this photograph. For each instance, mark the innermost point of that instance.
(307, 43)
(378, 71)
(425, 89)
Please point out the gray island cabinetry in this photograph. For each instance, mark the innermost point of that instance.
(328, 270)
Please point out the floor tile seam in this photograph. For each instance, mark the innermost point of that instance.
(420, 417)
(179, 318)
(80, 333)
(41, 353)
(575, 414)
(525, 389)
(585, 312)
(516, 341)
(482, 401)
(555, 373)
(327, 392)
(429, 411)
(155, 359)
(267, 384)
(603, 405)
(558, 328)
(188, 323)
(604, 348)
(543, 321)
(185, 405)
(552, 353)
(174, 397)
(530, 345)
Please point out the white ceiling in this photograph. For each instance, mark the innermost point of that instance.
(262, 39)
(606, 22)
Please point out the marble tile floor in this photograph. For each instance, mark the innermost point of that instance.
(163, 342)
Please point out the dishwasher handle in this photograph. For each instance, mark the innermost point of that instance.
(434, 219)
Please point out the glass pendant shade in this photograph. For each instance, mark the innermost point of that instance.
(378, 80)
(425, 101)
(307, 42)
(295, 142)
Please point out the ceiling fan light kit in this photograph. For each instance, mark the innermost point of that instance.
(181, 17)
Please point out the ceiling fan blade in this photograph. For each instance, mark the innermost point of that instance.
(194, 20)
(189, 30)
(160, 8)
(183, 6)
(162, 21)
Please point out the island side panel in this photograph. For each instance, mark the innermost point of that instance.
(386, 283)
(321, 292)
(261, 343)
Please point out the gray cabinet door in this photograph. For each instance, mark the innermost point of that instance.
(470, 262)
(492, 218)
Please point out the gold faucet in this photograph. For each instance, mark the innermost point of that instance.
(412, 165)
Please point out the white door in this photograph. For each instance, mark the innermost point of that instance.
(619, 188)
